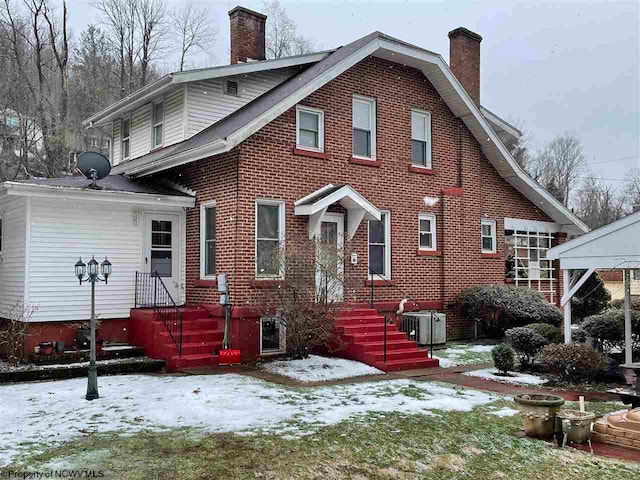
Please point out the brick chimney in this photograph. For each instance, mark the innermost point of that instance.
(247, 35)
(464, 60)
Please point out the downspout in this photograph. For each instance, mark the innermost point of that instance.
(459, 153)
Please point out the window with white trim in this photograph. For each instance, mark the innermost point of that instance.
(309, 128)
(364, 127)
(420, 139)
(526, 255)
(273, 335)
(126, 134)
(269, 238)
(208, 240)
(488, 235)
(427, 232)
(158, 121)
(380, 247)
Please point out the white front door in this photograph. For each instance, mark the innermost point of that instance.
(330, 258)
(162, 251)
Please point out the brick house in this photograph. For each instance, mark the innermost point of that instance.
(377, 143)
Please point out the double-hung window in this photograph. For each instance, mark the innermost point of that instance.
(269, 238)
(364, 127)
(488, 236)
(158, 121)
(380, 247)
(309, 129)
(126, 134)
(427, 232)
(421, 139)
(208, 240)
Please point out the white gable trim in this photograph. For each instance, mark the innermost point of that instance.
(531, 225)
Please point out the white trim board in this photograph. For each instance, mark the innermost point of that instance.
(15, 188)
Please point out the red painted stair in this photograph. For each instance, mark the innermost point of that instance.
(201, 338)
(363, 331)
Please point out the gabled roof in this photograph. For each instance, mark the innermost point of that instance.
(238, 126)
(616, 245)
(165, 83)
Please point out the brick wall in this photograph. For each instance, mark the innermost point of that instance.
(265, 166)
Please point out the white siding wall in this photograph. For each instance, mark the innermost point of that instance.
(174, 117)
(13, 211)
(63, 230)
(207, 103)
(116, 149)
(141, 131)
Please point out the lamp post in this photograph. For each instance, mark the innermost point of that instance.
(91, 271)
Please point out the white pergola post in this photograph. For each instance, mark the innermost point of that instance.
(566, 282)
(628, 347)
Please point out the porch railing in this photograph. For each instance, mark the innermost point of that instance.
(151, 292)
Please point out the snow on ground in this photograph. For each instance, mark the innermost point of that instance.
(515, 378)
(320, 369)
(505, 412)
(464, 354)
(50, 412)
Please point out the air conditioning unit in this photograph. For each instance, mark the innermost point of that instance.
(418, 326)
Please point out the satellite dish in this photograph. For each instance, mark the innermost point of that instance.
(93, 165)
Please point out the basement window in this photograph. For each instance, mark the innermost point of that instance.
(273, 335)
(231, 87)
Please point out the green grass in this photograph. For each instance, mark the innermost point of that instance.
(378, 446)
(461, 355)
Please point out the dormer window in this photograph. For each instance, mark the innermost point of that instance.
(231, 88)
(126, 133)
(158, 120)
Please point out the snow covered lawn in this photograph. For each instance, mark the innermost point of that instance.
(514, 378)
(464, 354)
(320, 369)
(36, 415)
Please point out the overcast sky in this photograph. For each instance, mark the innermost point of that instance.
(552, 66)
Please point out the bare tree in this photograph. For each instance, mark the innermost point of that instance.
(520, 147)
(598, 203)
(194, 28)
(632, 187)
(151, 15)
(15, 330)
(59, 42)
(282, 39)
(559, 165)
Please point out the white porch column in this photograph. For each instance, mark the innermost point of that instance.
(566, 281)
(628, 347)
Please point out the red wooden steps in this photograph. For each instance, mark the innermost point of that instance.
(201, 337)
(363, 332)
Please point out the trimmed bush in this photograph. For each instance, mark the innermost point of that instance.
(591, 298)
(526, 342)
(619, 303)
(500, 307)
(551, 333)
(607, 328)
(575, 361)
(503, 357)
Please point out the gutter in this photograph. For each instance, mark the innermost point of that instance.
(70, 193)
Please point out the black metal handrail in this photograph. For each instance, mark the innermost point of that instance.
(151, 292)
